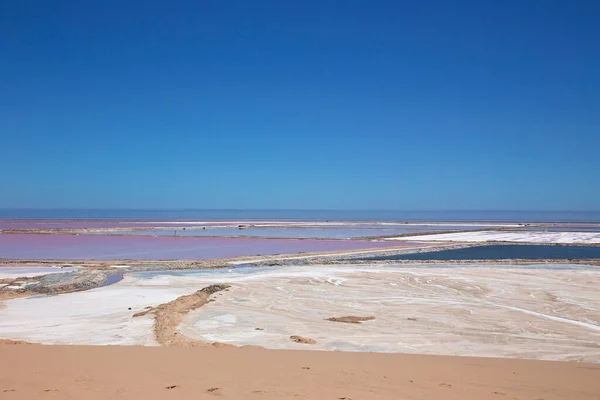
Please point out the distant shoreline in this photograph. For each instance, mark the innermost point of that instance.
(318, 215)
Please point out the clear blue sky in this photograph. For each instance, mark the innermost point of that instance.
(300, 104)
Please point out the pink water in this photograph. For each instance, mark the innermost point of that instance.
(15, 246)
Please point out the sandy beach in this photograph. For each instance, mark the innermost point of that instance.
(94, 372)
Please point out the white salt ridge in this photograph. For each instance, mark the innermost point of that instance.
(521, 237)
(337, 253)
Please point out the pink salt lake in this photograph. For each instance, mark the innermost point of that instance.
(80, 247)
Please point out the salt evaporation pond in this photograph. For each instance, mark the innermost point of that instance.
(7, 224)
(326, 231)
(290, 233)
(236, 271)
(402, 227)
(35, 246)
(21, 272)
(499, 252)
(595, 228)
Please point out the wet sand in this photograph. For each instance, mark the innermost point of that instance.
(128, 373)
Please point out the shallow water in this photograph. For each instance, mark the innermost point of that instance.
(111, 279)
(565, 229)
(65, 224)
(20, 272)
(290, 233)
(233, 271)
(232, 224)
(106, 247)
(498, 252)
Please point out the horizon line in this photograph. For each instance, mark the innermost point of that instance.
(288, 209)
